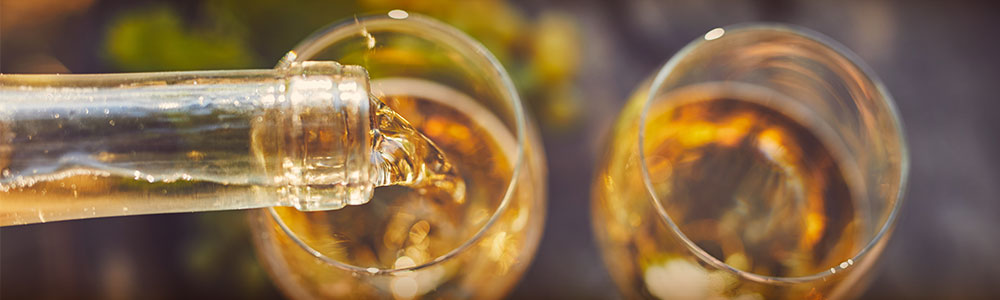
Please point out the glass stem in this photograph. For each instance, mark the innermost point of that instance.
(81, 146)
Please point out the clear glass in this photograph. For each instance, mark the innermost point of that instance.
(762, 161)
(85, 146)
(404, 245)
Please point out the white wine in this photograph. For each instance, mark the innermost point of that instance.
(761, 162)
(404, 227)
(745, 177)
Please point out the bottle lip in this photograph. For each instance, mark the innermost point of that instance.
(454, 38)
(877, 242)
(315, 175)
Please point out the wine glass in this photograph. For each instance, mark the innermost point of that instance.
(762, 161)
(404, 243)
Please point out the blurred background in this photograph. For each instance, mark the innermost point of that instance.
(574, 63)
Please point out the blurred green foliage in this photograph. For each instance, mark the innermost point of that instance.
(541, 55)
(155, 39)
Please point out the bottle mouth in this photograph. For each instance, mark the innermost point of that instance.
(486, 68)
(872, 247)
(325, 104)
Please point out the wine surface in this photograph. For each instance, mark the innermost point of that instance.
(749, 181)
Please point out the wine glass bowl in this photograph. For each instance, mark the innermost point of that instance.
(762, 161)
(408, 243)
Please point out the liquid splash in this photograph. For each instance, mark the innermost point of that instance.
(403, 156)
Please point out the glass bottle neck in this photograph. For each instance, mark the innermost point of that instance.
(301, 133)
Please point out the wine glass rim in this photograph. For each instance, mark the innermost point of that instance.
(838, 49)
(456, 40)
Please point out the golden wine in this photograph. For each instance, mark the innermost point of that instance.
(746, 178)
(403, 227)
